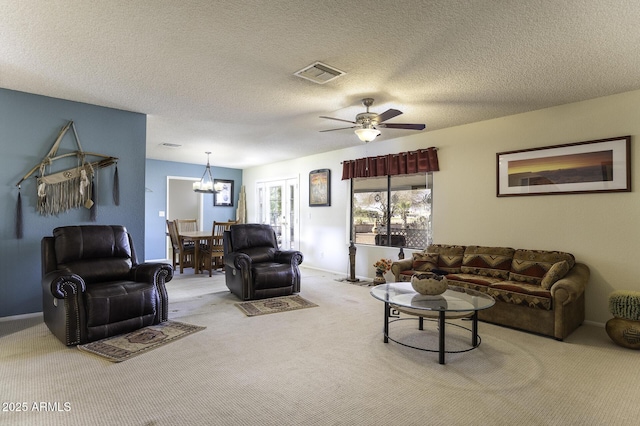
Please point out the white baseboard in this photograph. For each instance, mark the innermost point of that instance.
(21, 316)
(597, 324)
(333, 272)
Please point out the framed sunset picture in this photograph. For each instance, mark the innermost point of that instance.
(592, 166)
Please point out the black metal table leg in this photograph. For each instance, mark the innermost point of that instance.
(441, 329)
(386, 322)
(474, 332)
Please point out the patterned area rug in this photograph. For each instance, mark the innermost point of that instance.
(273, 305)
(122, 347)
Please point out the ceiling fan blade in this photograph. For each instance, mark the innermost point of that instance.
(388, 114)
(403, 126)
(338, 119)
(341, 128)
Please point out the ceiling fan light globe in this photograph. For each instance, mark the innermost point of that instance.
(367, 135)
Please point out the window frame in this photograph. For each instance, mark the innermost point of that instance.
(428, 231)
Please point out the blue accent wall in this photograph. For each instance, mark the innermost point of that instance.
(29, 125)
(156, 200)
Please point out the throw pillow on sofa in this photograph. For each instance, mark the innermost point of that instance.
(449, 257)
(530, 266)
(557, 271)
(424, 261)
(488, 261)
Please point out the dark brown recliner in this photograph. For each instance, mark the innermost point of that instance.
(93, 286)
(254, 266)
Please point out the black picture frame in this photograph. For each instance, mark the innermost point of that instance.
(602, 165)
(320, 188)
(224, 198)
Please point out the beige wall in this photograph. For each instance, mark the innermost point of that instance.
(601, 230)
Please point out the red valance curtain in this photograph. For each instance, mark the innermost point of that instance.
(404, 163)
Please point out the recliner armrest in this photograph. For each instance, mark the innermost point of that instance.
(147, 272)
(237, 260)
(61, 284)
(292, 257)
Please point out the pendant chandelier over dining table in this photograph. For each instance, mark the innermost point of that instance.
(205, 184)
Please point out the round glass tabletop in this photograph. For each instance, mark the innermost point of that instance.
(454, 299)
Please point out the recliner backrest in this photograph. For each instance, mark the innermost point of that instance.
(97, 253)
(255, 240)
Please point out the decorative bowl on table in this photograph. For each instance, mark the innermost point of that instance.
(429, 284)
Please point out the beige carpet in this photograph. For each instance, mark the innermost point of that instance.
(321, 366)
(123, 347)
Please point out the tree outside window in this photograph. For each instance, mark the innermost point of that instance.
(393, 211)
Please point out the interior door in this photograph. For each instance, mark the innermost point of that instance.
(278, 206)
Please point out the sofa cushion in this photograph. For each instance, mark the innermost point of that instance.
(530, 266)
(423, 261)
(558, 270)
(449, 257)
(518, 293)
(478, 280)
(488, 261)
(405, 276)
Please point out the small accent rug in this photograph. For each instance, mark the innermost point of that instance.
(273, 305)
(122, 347)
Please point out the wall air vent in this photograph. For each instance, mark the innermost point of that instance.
(319, 73)
(170, 145)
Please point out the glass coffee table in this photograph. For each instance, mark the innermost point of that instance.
(455, 302)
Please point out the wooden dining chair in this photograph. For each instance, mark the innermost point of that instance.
(187, 225)
(183, 254)
(212, 255)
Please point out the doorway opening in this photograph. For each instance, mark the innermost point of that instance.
(183, 202)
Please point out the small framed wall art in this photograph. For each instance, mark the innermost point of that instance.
(225, 196)
(320, 188)
(602, 165)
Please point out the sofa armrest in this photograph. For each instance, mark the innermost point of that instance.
(572, 285)
(61, 284)
(399, 266)
(292, 257)
(148, 272)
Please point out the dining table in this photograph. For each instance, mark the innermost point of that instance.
(199, 238)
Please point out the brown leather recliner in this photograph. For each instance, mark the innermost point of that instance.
(254, 266)
(93, 286)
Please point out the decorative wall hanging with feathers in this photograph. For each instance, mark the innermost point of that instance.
(67, 189)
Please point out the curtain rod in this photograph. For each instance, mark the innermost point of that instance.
(423, 149)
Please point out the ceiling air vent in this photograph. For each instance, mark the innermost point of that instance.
(319, 73)
(170, 145)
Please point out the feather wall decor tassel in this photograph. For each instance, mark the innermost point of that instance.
(116, 187)
(94, 206)
(19, 233)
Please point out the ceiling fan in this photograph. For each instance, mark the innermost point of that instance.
(367, 123)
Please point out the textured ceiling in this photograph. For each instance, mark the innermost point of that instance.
(218, 75)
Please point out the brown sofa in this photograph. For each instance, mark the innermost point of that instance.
(536, 291)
